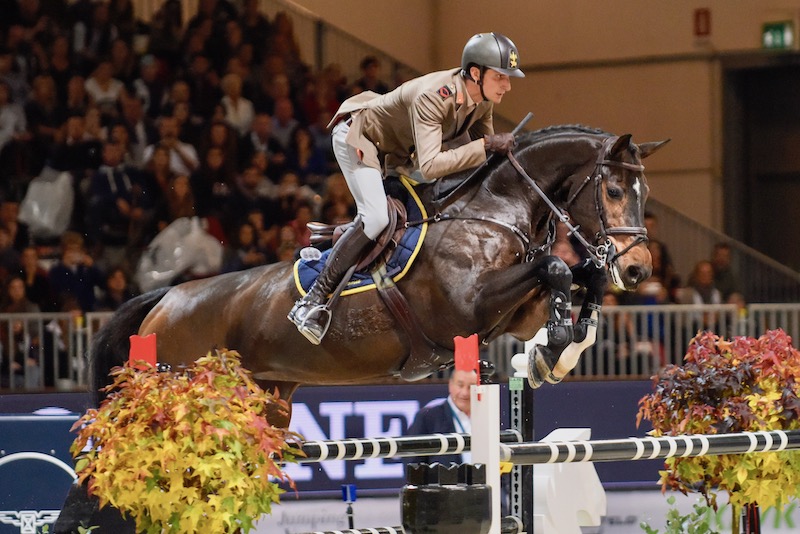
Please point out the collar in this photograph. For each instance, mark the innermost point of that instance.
(462, 95)
(462, 421)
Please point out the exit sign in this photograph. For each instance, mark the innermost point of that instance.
(778, 35)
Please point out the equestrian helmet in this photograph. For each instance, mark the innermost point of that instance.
(491, 50)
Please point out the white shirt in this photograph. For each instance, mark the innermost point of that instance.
(176, 163)
(463, 425)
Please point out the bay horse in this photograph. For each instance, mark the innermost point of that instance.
(484, 267)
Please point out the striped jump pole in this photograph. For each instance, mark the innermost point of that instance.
(649, 448)
(376, 530)
(401, 447)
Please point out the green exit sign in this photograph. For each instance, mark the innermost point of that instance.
(778, 35)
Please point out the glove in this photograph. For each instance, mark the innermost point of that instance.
(500, 143)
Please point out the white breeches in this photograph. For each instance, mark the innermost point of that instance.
(365, 183)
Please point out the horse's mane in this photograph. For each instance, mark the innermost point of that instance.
(561, 129)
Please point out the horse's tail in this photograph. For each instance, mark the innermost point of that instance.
(111, 345)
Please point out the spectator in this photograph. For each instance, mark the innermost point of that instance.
(289, 193)
(178, 202)
(309, 163)
(9, 74)
(651, 224)
(563, 249)
(77, 97)
(44, 117)
(94, 124)
(117, 291)
(220, 134)
(256, 28)
(148, 87)
(60, 67)
(120, 13)
(725, 278)
(75, 276)
(287, 246)
(91, 39)
(213, 184)
(338, 205)
(252, 192)
(13, 135)
(10, 262)
(37, 284)
(182, 156)
(701, 288)
(662, 272)
(370, 77)
(9, 219)
(141, 131)
(284, 122)
(244, 251)
(203, 85)
(76, 151)
(238, 109)
(123, 62)
(260, 139)
(104, 90)
(22, 340)
(451, 415)
(115, 212)
(303, 216)
(166, 32)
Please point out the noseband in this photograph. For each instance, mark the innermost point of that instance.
(603, 253)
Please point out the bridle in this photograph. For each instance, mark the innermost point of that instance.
(603, 253)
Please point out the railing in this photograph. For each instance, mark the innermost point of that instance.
(761, 278)
(633, 342)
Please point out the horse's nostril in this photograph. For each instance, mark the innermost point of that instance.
(635, 274)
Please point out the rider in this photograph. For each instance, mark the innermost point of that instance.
(418, 129)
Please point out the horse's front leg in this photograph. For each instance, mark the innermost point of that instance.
(594, 279)
(508, 289)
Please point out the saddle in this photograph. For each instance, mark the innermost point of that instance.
(424, 356)
(325, 235)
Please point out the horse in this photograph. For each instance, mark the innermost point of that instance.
(483, 268)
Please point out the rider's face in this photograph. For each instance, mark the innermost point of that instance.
(495, 85)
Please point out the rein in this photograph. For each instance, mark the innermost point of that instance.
(602, 254)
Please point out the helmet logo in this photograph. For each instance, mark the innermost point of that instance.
(512, 59)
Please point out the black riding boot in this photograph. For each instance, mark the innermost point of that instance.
(311, 313)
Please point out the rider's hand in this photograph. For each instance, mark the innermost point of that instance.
(501, 143)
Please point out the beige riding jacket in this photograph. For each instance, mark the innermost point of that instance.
(428, 124)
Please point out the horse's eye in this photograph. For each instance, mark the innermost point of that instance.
(615, 192)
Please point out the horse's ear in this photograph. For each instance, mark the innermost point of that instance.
(645, 149)
(622, 143)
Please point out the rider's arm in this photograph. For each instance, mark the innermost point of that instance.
(428, 113)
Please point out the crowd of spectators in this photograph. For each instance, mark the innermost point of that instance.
(215, 117)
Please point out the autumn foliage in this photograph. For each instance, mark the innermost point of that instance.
(743, 384)
(185, 452)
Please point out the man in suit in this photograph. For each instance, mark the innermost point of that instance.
(429, 127)
(451, 415)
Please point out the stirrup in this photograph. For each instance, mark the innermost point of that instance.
(315, 330)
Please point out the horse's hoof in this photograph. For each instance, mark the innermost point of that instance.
(534, 378)
(539, 367)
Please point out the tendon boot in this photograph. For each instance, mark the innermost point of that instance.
(311, 314)
(542, 359)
